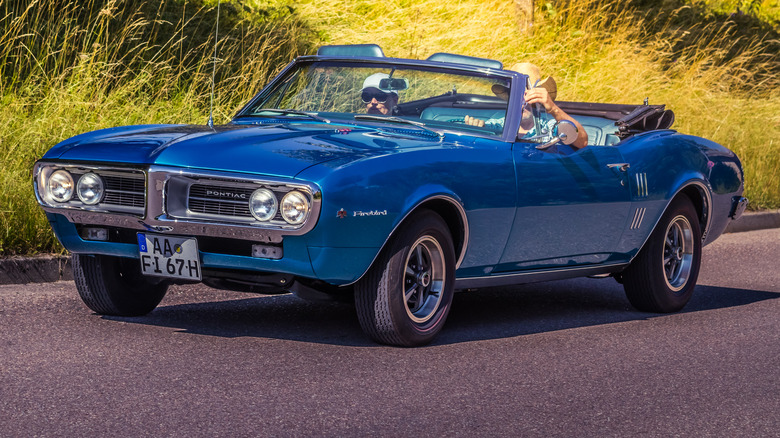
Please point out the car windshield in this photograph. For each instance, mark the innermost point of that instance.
(436, 98)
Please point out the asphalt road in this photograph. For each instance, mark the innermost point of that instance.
(567, 358)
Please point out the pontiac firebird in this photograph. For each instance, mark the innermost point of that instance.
(304, 192)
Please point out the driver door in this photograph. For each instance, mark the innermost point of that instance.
(571, 208)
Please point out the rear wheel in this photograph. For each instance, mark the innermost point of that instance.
(662, 277)
(115, 286)
(406, 295)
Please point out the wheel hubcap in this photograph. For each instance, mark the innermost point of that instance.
(678, 253)
(424, 279)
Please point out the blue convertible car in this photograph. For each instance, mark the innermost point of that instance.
(352, 174)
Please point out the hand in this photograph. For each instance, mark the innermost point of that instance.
(539, 95)
(473, 121)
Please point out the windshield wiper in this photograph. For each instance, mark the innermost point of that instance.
(397, 120)
(286, 112)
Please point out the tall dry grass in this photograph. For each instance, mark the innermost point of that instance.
(68, 67)
(721, 82)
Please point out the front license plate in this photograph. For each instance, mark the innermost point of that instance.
(166, 256)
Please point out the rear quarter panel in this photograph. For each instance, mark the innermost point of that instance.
(664, 163)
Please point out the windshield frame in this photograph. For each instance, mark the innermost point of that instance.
(512, 119)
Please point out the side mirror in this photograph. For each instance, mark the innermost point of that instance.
(566, 134)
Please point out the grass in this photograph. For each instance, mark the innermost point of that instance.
(68, 67)
(719, 73)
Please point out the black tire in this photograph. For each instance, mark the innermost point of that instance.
(663, 275)
(420, 260)
(115, 286)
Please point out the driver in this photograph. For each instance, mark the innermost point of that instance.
(543, 93)
(377, 100)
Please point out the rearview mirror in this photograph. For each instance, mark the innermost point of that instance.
(393, 84)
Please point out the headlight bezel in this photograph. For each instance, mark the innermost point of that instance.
(43, 170)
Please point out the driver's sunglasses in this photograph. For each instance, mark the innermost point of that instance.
(380, 97)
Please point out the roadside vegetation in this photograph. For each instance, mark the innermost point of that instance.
(68, 67)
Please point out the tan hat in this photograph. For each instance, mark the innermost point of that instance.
(549, 84)
(534, 76)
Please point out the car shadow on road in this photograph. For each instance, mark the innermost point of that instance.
(475, 316)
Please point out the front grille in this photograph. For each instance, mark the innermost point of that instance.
(220, 201)
(126, 191)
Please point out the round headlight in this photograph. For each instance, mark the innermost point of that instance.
(61, 186)
(295, 207)
(263, 204)
(90, 189)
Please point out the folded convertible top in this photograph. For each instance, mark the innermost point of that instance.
(630, 119)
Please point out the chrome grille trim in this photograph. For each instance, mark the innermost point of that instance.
(201, 201)
(125, 189)
(156, 216)
(170, 192)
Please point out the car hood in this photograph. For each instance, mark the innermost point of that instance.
(273, 149)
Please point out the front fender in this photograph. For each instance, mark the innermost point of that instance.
(364, 203)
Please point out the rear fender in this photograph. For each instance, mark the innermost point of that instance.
(695, 189)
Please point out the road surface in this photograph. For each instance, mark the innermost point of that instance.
(566, 358)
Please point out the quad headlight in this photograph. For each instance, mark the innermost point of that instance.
(263, 204)
(90, 188)
(60, 186)
(295, 207)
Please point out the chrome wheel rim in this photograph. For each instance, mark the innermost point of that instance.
(424, 276)
(678, 253)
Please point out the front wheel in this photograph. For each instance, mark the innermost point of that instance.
(662, 276)
(406, 295)
(115, 286)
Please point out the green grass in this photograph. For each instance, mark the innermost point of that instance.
(719, 73)
(68, 67)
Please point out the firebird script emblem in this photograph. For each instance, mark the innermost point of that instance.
(343, 213)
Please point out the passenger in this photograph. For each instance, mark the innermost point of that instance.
(378, 101)
(543, 93)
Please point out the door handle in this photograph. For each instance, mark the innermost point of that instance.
(619, 166)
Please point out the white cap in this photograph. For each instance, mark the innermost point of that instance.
(373, 82)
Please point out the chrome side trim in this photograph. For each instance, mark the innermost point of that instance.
(707, 199)
(641, 185)
(639, 214)
(535, 276)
